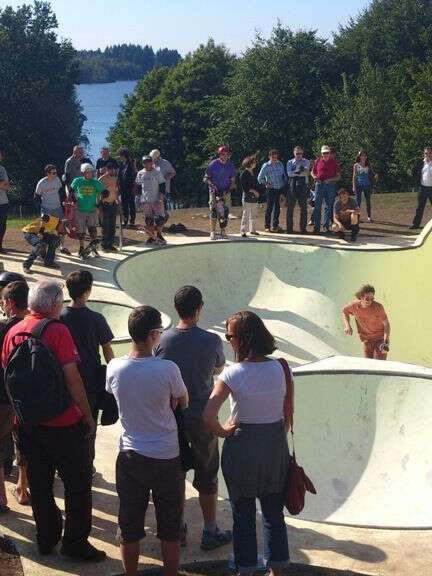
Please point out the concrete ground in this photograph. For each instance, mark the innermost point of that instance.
(377, 552)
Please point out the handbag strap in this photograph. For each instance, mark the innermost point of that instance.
(289, 397)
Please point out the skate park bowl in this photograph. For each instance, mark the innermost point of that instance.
(362, 426)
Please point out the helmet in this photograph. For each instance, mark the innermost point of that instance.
(223, 149)
(9, 277)
(87, 167)
(147, 159)
(155, 154)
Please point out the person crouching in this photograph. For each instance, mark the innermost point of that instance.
(345, 215)
(43, 236)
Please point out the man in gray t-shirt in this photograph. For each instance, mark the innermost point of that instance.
(199, 355)
(4, 202)
(72, 168)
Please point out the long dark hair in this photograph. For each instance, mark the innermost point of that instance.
(253, 337)
(358, 158)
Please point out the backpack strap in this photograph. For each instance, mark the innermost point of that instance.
(9, 324)
(38, 328)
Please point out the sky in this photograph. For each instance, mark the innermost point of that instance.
(184, 24)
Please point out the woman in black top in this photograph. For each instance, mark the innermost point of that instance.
(250, 197)
(126, 185)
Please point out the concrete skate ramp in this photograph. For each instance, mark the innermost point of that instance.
(362, 426)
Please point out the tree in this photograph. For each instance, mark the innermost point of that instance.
(40, 118)
(274, 97)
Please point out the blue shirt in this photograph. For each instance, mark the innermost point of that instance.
(220, 174)
(272, 175)
(293, 165)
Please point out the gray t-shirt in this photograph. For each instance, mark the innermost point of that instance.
(3, 178)
(196, 352)
(338, 208)
(72, 168)
(149, 182)
(166, 168)
(48, 190)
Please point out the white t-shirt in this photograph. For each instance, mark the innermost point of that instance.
(426, 175)
(143, 388)
(149, 181)
(257, 391)
(48, 190)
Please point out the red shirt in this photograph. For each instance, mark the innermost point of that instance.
(325, 169)
(59, 340)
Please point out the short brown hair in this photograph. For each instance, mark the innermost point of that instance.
(49, 168)
(78, 283)
(253, 337)
(343, 191)
(17, 292)
(273, 151)
(248, 161)
(365, 289)
(141, 321)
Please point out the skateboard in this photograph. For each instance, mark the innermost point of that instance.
(91, 248)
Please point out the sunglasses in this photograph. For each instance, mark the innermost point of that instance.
(229, 337)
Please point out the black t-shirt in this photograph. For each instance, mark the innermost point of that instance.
(101, 163)
(248, 182)
(89, 330)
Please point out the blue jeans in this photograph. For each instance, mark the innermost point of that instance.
(273, 205)
(276, 552)
(367, 191)
(327, 193)
(45, 248)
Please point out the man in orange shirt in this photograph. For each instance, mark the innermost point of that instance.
(372, 323)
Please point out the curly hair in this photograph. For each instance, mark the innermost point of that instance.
(253, 337)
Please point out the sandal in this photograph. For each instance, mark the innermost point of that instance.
(26, 501)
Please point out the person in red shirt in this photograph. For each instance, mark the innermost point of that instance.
(326, 172)
(59, 444)
(373, 325)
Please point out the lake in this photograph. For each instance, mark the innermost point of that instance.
(101, 104)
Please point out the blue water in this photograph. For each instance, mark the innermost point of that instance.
(101, 104)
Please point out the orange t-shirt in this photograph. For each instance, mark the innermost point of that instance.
(369, 320)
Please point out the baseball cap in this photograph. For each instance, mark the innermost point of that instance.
(325, 149)
(223, 149)
(87, 167)
(155, 153)
(147, 159)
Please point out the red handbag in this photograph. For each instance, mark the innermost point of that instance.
(298, 483)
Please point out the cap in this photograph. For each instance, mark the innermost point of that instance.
(325, 149)
(223, 149)
(147, 159)
(155, 153)
(87, 167)
(9, 277)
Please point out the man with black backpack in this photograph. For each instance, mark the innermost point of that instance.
(43, 383)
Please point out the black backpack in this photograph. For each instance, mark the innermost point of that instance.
(6, 326)
(34, 379)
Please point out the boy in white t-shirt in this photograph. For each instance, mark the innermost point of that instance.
(146, 390)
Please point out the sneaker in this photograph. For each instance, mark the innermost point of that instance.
(244, 235)
(113, 249)
(161, 239)
(267, 229)
(277, 230)
(211, 541)
(183, 535)
(26, 269)
(84, 553)
(255, 233)
(149, 241)
(212, 235)
(224, 234)
(65, 251)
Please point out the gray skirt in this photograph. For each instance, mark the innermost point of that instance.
(255, 460)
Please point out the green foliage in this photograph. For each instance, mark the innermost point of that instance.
(40, 118)
(171, 109)
(122, 62)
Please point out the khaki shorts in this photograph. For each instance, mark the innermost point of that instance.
(85, 220)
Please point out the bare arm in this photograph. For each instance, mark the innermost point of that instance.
(354, 180)
(107, 352)
(386, 325)
(76, 389)
(347, 324)
(210, 416)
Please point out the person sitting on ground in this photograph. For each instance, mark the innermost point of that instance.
(14, 305)
(220, 178)
(47, 193)
(152, 200)
(373, 325)
(346, 215)
(103, 161)
(250, 196)
(60, 443)
(255, 454)
(43, 235)
(199, 355)
(86, 191)
(272, 175)
(146, 390)
(90, 330)
(109, 206)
